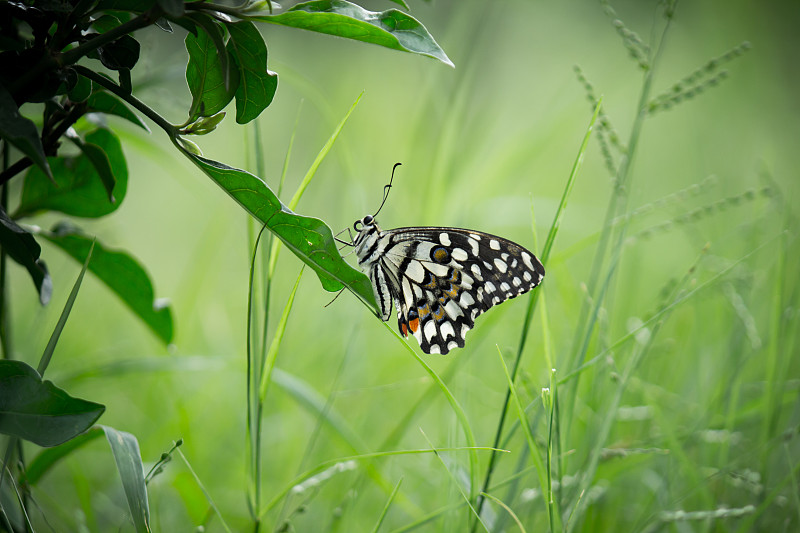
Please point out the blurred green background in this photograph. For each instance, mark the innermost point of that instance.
(482, 146)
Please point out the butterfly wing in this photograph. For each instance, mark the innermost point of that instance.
(444, 278)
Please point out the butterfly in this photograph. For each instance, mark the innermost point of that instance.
(440, 279)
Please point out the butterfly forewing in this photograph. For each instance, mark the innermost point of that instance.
(441, 279)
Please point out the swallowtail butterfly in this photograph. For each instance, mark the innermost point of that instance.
(441, 279)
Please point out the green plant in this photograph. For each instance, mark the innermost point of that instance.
(69, 62)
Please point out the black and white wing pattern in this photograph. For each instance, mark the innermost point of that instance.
(441, 279)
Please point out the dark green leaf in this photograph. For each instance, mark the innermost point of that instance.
(164, 24)
(99, 161)
(49, 457)
(20, 246)
(21, 132)
(80, 190)
(81, 91)
(121, 54)
(391, 28)
(108, 103)
(105, 23)
(173, 8)
(125, 448)
(37, 410)
(257, 84)
(308, 238)
(211, 79)
(121, 273)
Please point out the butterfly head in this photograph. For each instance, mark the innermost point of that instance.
(364, 223)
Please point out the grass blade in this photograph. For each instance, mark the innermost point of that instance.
(62, 321)
(386, 507)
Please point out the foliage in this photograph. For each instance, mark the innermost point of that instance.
(72, 63)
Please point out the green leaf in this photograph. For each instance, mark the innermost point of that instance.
(121, 54)
(105, 23)
(49, 457)
(20, 246)
(37, 410)
(99, 161)
(105, 102)
(21, 132)
(308, 238)
(211, 79)
(82, 89)
(125, 448)
(391, 28)
(80, 191)
(121, 273)
(257, 84)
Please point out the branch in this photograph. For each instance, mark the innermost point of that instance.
(140, 106)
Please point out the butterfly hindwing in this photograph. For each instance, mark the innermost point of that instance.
(441, 279)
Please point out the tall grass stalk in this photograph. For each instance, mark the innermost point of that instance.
(551, 236)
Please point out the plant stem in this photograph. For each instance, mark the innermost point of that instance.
(5, 339)
(140, 106)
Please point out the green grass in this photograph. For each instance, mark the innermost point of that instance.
(668, 312)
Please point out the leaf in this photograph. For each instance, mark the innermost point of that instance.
(121, 54)
(99, 161)
(82, 89)
(21, 132)
(121, 273)
(21, 246)
(257, 85)
(105, 102)
(49, 457)
(80, 191)
(211, 79)
(37, 410)
(308, 238)
(125, 449)
(391, 28)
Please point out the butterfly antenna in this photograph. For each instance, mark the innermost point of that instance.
(386, 190)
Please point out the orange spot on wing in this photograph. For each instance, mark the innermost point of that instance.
(414, 325)
(404, 329)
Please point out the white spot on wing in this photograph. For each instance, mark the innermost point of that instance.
(453, 310)
(435, 349)
(477, 271)
(415, 271)
(430, 330)
(490, 287)
(466, 299)
(500, 264)
(458, 254)
(505, 287)
(474, 245)
(447, 330)
(526, 258)
(464, 330)
(444, 238)
(451, 345)
(517, 282)
(527, 276)
(494, 244)
(475, 236)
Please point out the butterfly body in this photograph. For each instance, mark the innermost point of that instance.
(440, 279)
